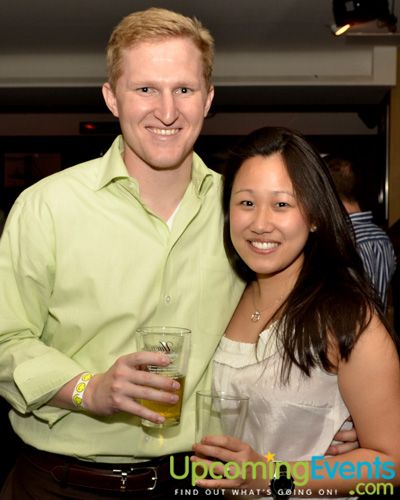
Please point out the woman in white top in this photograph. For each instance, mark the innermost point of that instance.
(308, 342)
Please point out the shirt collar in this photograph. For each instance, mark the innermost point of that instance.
(361, 216)
(202, 178)
(112, 167)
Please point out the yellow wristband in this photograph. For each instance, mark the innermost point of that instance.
(79, 390)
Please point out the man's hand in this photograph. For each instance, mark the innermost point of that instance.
(345, 439)
(122, 385)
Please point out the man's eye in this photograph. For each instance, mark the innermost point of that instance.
(183, 90)
(145, 90)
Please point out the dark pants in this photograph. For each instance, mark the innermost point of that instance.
(29, 480)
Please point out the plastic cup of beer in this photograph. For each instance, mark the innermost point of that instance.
(220, 413)
(175, 343)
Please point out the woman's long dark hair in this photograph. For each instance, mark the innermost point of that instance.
(332, 300)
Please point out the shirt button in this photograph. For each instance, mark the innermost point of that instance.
(168, 299)
(147, 438)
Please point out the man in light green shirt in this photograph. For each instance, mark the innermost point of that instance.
(130, 239)
(84, 263)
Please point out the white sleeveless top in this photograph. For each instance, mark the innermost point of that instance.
(294, 421)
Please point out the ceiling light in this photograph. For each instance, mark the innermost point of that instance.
(348, 13)
(339, 30)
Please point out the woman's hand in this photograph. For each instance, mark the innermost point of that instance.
(220, 450)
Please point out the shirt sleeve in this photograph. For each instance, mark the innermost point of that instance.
(380, 263)
(31, 372)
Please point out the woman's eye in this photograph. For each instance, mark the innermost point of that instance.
(282, 204)
(246, 203)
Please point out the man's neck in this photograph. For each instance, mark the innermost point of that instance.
(351, 206)
(162, 190)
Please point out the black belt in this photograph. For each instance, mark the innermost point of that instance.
(123, 478)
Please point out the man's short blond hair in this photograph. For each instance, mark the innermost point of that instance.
(157, 24)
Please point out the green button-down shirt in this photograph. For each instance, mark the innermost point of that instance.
(83, 263)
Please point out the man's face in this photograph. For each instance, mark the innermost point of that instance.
(161, 100)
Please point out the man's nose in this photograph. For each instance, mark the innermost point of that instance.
(166, 110)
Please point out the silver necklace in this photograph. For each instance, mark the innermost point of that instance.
(256, 316)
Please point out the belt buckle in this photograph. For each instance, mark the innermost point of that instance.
(125, 474)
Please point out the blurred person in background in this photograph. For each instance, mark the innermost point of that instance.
(373, 243)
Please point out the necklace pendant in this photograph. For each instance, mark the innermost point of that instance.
(255, 316)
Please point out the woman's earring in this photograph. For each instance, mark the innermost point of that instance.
(313, 228)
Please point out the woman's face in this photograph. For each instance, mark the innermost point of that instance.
(268, 229)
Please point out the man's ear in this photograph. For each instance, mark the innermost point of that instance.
(110, 99)
(210, 97)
